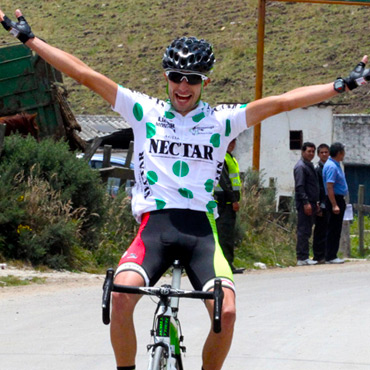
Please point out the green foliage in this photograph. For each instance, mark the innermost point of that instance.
(54, 163)
(261, 236)
(118, 231)
(355, 252)
(12, 280)
(54, 209)
(50, 201)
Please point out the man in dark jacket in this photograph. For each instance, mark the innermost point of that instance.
(307, 193)
(319, 234)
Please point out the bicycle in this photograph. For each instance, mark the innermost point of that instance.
(167, 339)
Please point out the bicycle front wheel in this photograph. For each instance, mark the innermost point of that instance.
(159, 362)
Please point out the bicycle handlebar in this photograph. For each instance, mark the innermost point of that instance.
(163, 291)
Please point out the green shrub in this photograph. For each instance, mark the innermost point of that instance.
(355, 242)
(53, 162)
(51, 203)
(261, 236)
(118, 231)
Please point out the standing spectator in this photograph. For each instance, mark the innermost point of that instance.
(306, 196)
(227, 196)
(336, 189)
(319, 234)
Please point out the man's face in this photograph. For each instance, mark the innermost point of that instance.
(184, 97)
(323, 154)
(231, 146)
(308, 154)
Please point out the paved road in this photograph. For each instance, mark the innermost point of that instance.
(298, 318)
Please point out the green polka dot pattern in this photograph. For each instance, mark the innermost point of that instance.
(169, 115)
(138, 111)
(160, 203)
(209, 185)
(228, 128)
(180, 169)
(186, 193)
(216, 140)
(211, 205)
(197, 118)
(150, 130)
(152, 177)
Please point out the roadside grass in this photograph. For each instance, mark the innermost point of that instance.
(355, 252)
(11, 280)
(262, 237)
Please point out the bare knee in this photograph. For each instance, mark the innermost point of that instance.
(124, 303)
(228, 314)
(228, 317)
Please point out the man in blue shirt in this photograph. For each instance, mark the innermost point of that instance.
(321, 227)
(336, 189)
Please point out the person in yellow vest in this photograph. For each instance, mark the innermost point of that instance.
(227, 196)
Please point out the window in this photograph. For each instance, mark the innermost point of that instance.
(295, 140)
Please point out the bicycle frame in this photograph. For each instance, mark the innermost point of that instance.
(166, 331)
(165, 351)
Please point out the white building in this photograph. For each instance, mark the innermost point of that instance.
(283, 135)
(281, 141)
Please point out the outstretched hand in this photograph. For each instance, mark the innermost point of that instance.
(21, 29)
(359, 76)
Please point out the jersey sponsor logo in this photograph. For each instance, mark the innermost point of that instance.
(184, 150)
(163, 123)
(171, 137)
(225, 106)
(143, 180)
(205, 130)
(218, 171)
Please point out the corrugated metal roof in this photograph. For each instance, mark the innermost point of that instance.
(99, 125)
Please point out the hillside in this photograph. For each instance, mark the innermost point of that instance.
(305, 44)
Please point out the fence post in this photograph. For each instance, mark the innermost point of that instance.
(361, 228)
(106, 155)
(345, 239)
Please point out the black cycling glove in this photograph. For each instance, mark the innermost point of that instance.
(21, 30)
(359, 76)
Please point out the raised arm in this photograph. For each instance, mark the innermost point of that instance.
(62, 61)
(301, 97)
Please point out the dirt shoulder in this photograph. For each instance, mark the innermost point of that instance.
(58, 280)
(50, 280)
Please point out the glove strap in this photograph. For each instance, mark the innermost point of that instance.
(357, 77)
(21, 30)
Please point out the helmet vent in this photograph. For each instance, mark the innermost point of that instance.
(190, 54)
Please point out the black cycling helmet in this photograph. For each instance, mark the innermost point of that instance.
(189, 54)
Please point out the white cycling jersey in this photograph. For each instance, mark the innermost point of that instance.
(178, 160)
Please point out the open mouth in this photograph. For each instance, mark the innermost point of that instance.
(183, 98)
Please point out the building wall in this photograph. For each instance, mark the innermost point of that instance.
(277, 160)
(353, 130)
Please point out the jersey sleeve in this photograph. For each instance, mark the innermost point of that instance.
(130, 105)
(233, 117)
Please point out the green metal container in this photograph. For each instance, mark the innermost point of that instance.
(29, 84)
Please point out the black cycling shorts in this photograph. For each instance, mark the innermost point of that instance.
(183, 234)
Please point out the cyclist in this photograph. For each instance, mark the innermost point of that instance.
(179, 150)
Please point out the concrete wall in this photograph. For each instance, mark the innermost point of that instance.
(353, 130)
(277, 160)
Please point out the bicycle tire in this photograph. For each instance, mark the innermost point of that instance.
(159, 362)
